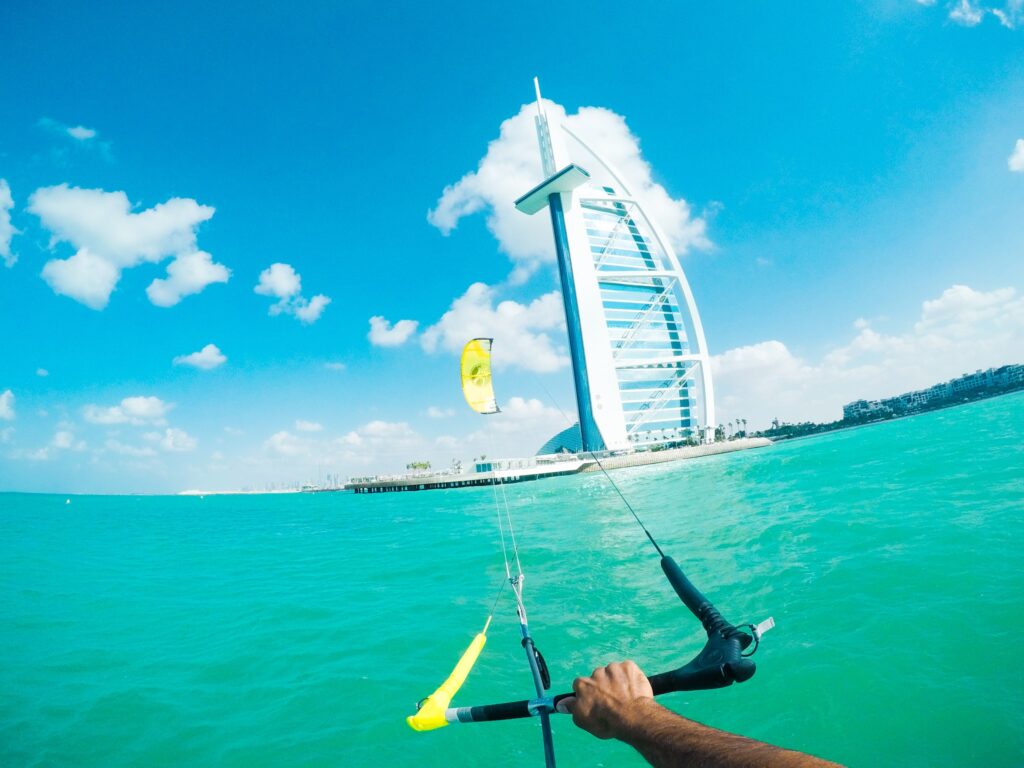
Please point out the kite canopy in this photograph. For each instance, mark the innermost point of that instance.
(476, 376)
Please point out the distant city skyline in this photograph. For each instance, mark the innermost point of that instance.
(227, 261)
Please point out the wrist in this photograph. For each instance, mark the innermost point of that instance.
(635, 716)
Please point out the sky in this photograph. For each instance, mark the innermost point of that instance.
(241, 246)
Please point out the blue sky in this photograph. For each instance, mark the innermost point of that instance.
(852, 167)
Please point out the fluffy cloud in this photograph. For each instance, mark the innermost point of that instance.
(189, 273)
(81, 133)
(382, 434)
(308, 426)
(384, 334)
(520, 331)
(131, 410)
(966, 13)
(378, 444)
(511, 166)
(279, 280)
(433, 412)
(309, 312)
(969, 13)
(109, 238)
(1015, 161)
(522, 426)
(115, 446)
(284, 443)
(7, 405)
(7, 230)
(64, 440)
(961, 330)
(282, 282)
(177, 440)
(207, 358)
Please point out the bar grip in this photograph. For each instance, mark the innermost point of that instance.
(691, 596)
(720, 662)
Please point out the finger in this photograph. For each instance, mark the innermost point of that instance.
(566, 706)
(578, 683)
(617, 669)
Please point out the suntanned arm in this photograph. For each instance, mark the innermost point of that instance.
(617, 702)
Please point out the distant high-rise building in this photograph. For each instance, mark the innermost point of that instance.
(640, 362)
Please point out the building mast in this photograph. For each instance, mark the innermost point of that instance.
(549, 194)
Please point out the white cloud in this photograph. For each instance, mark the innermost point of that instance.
(962, 330)
(177, 440)
(282, 282)
(365, 444)
(966, 14)
(390, 436)
(286, 444)
(279, 280)
(511, 166)
(334, 366)
(64, 440)
(434, 412)
(207, 358)
(132, 410)
(6, 434)
(308, 426)
(1015, 161)
(115, 446)
(81, 133)
(520, 331)
(522, 426)
(384, 334)
(309, 312)
(42, 372)
(7, 405)
(189, 273)
(1011, 14)
(7, 230)
(970, 13)
(109, 238)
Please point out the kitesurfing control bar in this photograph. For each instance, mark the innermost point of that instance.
(719, 664)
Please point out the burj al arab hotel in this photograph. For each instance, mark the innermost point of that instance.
(640, 363)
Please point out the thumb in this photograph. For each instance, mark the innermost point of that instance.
(566, 706)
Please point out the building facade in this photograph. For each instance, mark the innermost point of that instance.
(1006, 378)
(642, 369)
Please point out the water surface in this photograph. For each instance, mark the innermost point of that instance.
(300, 630)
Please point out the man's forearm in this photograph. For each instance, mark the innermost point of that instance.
(666, 739)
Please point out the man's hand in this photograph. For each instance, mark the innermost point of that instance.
(609, 699)
(616, 702)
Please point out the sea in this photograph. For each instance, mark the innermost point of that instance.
(300, 630)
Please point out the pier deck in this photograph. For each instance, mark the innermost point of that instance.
(544, 469)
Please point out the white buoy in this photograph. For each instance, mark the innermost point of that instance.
(67, 501)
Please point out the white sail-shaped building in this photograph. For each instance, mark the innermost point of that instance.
(641, 366)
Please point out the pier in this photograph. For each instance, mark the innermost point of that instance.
(538, 467)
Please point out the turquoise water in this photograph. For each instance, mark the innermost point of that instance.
(300, 630)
